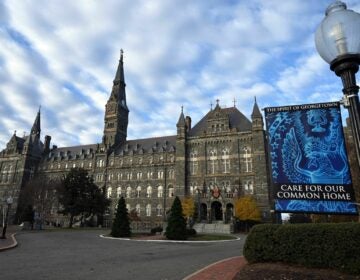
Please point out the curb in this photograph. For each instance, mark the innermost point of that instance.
(166, 241)
(11, 246)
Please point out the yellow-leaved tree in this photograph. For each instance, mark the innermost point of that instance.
(188, 207)
(247, 210)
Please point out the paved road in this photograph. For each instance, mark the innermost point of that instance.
(84, 255)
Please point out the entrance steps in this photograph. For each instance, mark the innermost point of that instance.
(215, 227)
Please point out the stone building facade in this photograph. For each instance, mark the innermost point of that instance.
(218, 160)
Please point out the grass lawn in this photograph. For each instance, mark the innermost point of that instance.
(211, 237)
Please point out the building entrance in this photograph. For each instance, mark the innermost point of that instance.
(216, 211)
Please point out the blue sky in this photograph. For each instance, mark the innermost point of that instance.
(63, 56)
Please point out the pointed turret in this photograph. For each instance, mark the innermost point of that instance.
(256, 117)
(181, 125)
(36, 129)
(116, 110)
(256, 111)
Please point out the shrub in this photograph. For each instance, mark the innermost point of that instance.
(190, 232)
(312, 245)
(156, 229)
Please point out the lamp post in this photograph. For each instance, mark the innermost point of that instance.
(9, 201)
(337, 40)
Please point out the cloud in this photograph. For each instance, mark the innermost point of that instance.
(64, 57)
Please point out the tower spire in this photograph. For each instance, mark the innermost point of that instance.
(119, 77)
(36, 128)
(116, 110)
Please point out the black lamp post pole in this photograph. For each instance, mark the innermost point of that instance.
(164, 211)
(346, 66)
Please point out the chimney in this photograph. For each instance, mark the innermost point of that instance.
(188, 123)
(47, 144)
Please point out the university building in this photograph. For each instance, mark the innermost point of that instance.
(217, 160)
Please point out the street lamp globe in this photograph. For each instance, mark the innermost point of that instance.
(337, 40)
(339, 33)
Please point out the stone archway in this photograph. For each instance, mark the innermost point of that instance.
(216, 211)
(229, 212)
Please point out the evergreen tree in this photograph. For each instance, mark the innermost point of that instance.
(121, 223)
(176, 228)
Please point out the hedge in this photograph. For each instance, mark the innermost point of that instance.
(312, 245)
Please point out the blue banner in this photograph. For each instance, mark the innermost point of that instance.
(308, 161)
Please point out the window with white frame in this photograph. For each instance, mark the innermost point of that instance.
(118, 192)
(108, 192)
(160, 191)
(148, 210)
(193, 163)
(249, 187)
(171, 191)
(149, 191)
(128, 207)
(158, 210)
(138, 191)
(160, 174)
(247, 159)
(149, 175)
(139, 175)
(225, 160)
(128, 192)
(138, 209)
(171, 174)
(213, 161)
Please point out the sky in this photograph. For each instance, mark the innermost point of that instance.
(63, 55)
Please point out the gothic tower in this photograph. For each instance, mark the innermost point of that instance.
(116, 111)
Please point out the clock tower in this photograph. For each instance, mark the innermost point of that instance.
(116, 111)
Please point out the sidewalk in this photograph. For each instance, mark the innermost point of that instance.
(10, 241)
(222, 270)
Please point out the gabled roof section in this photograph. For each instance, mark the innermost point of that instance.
(72, 152)
(237, 120)
(148, 145)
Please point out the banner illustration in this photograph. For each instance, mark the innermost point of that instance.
(309, 166)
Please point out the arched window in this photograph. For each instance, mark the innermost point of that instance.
(193, 163)
(225, 160)
(160, 191)
(249, 187)
(138, 209)
(149, 191)
(128, 192)
(118, 192)
(171, 191)
(213, 161)
(160, 174)
(247, 159)
(159, 210)
(138, 191)
(108, 192)
(148, 210)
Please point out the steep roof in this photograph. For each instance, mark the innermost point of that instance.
(148, 145)
(236, 118)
